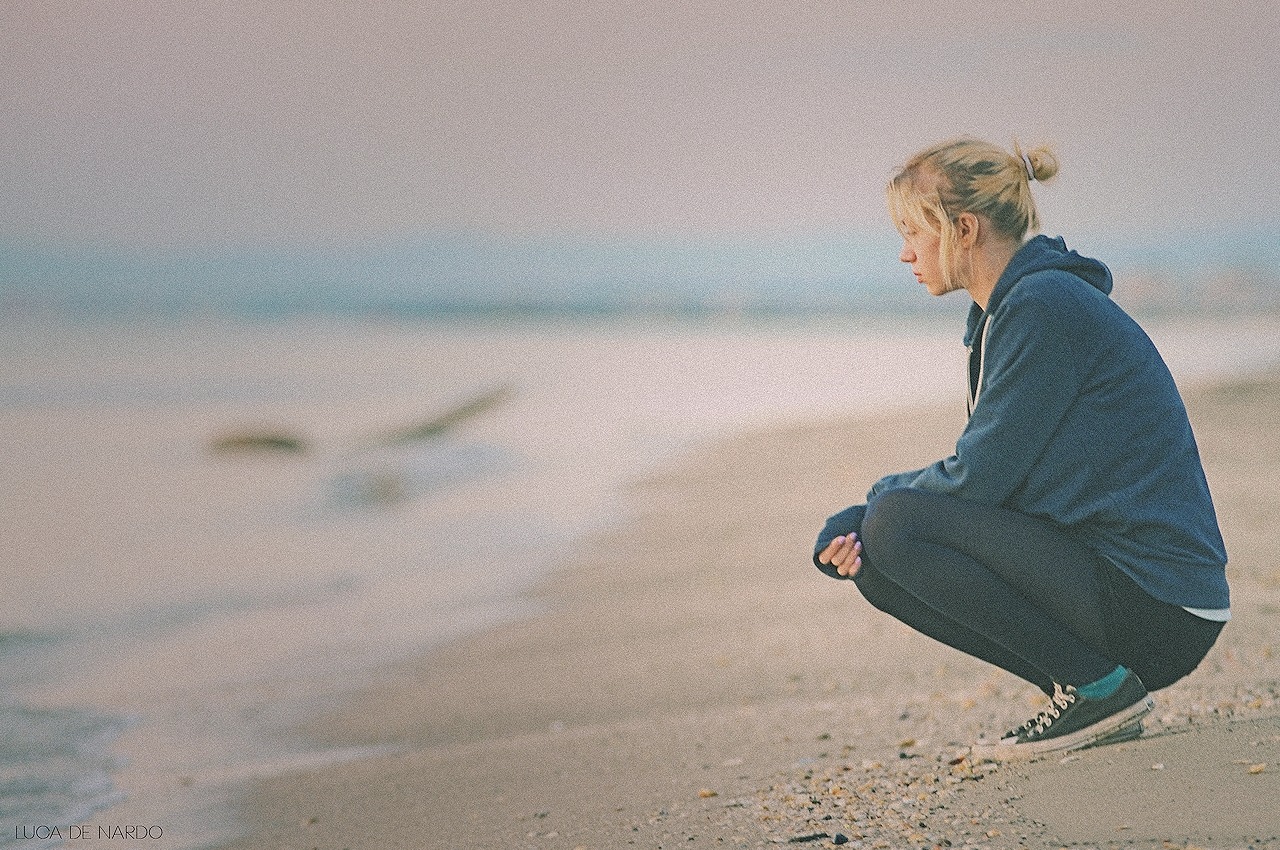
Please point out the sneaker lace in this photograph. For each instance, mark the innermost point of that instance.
(1060, 701)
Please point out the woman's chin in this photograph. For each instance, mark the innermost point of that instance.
(937, 290)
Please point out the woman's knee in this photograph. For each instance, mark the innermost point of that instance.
(891, 523)
(881, 593)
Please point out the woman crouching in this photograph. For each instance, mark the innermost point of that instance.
(1071, 538)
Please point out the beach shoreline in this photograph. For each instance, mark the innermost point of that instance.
(691, 681)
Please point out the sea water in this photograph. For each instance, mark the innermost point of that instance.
(171, 614)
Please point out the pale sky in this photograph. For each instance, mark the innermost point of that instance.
(175, 124)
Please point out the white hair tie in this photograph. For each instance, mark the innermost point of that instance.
(1031, 169)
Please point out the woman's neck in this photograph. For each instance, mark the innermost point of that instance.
(988, 261)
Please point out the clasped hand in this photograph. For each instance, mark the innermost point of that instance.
(844, 553)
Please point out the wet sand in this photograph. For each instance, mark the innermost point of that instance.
(690, 680)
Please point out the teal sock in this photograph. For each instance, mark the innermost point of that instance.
(1104, 687)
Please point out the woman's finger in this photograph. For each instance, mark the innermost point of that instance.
(825, 556)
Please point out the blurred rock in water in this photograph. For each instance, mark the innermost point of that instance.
(241, 442)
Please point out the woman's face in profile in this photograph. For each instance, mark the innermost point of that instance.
(923, 251)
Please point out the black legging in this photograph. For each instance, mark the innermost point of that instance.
(1016, 591)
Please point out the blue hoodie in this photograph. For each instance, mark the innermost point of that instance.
(1075, 418)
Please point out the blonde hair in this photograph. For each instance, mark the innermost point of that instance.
(968, 175)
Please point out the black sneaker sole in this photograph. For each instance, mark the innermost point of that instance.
(1129, 733)
(1124, 725)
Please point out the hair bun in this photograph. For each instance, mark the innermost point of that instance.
(1041, 162)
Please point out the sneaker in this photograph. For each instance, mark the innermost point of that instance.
(1073, 722)
(1125, 733)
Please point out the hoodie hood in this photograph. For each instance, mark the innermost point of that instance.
(1042, 253)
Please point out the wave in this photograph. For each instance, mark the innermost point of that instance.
(475, 275)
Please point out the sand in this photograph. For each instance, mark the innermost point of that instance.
(690, 680)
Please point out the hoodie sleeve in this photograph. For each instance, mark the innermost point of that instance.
(1030, 380)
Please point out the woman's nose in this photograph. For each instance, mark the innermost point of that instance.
(906, 255)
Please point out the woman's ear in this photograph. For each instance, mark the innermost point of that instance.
(967, 228)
